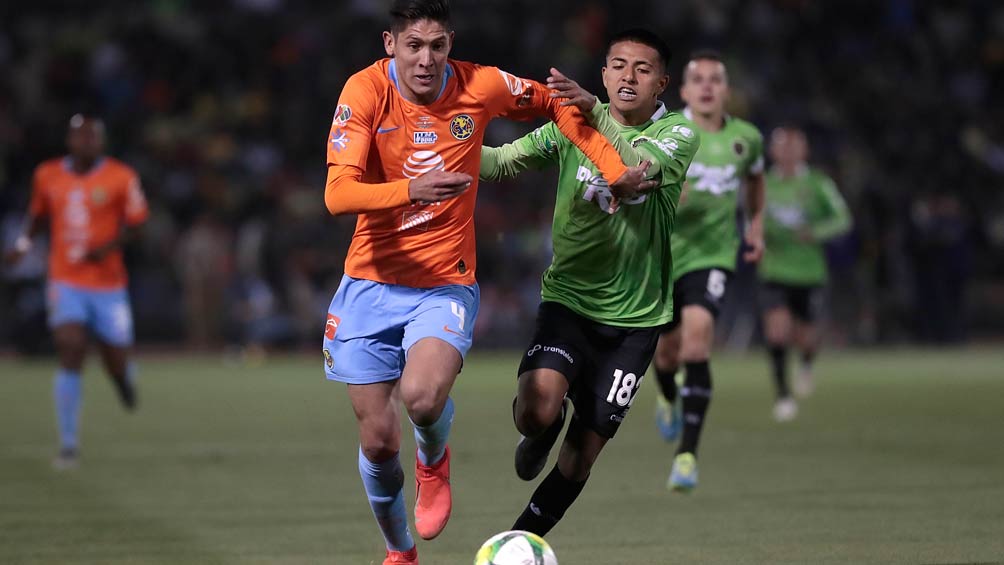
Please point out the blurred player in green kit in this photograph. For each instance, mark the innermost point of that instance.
(804, 209)
(705, 246)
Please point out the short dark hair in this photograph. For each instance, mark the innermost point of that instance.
(703, 55)
(706, 55)
(404, 12)
(644, 37)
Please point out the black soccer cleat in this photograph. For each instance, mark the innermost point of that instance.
(531, 452)
(127, 393)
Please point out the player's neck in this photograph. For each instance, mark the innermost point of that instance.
(82, 165)
(711, 122)
(635, 118)
(791, 170)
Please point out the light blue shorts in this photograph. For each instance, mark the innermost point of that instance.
(105, 312)
(371, 326)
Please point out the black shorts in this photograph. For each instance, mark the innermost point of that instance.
(604, 364)
(704, 287)
(804, 302)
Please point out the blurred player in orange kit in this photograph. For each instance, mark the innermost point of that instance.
(92, 204)
(404, 154)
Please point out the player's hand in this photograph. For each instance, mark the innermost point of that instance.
(684, 192)
(632, 183)
(574, 95)
(436, 186)
(754, 242)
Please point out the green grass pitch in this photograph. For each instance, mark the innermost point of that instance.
(898, 458)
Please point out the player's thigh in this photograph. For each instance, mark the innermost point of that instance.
(437, 337)
(376, 409)
(579, 450)
(363, 333)
(702, 294)
(71, 344)
(429, 373)
(777, 325)
(603, 395)
(667, 351)
(111, 317)
(115, 359)
(539, 396)
(552, 362)
(68, 320)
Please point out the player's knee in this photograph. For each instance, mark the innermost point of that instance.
(379, 451)
(423, 408)
(667, 357)
(534, 419)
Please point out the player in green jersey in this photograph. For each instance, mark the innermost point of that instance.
(608, 290)
(804, 209)
(705, 245)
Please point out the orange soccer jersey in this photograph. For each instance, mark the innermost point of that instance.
(87, 211)
(379, 142)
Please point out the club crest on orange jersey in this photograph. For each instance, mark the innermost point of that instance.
(462, 127)
(342, 115)
(99, 195)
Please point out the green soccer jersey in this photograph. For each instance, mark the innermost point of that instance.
(802, 211)
(612, 260)
(705, 236)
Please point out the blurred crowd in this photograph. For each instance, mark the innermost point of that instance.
(224, 108)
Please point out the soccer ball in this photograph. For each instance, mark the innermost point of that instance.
(515, 548)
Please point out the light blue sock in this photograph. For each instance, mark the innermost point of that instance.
(66, 392)
(384, 483)
(431, 439)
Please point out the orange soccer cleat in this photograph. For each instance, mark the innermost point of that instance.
(409, 557)
(435, 501)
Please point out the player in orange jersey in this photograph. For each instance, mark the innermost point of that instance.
(404, 154)
(92, 204)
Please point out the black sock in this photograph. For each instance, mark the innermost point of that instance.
(696, 394)
(667, 383)
(548, 503)
(779, 359)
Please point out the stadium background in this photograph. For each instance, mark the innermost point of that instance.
(224, 107)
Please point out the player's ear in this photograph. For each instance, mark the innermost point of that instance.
(603, 75)
(449, 47)
(663, 83)
(388, 43)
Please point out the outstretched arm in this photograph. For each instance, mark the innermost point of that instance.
(535, 150)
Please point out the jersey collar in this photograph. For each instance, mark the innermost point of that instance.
(660, 111)
(392, 74)
(689, 114)
(68, 166)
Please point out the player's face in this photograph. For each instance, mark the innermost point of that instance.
(86, 138)
(634, 77)
(705, 86)
(788, 146)
(420, 51)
